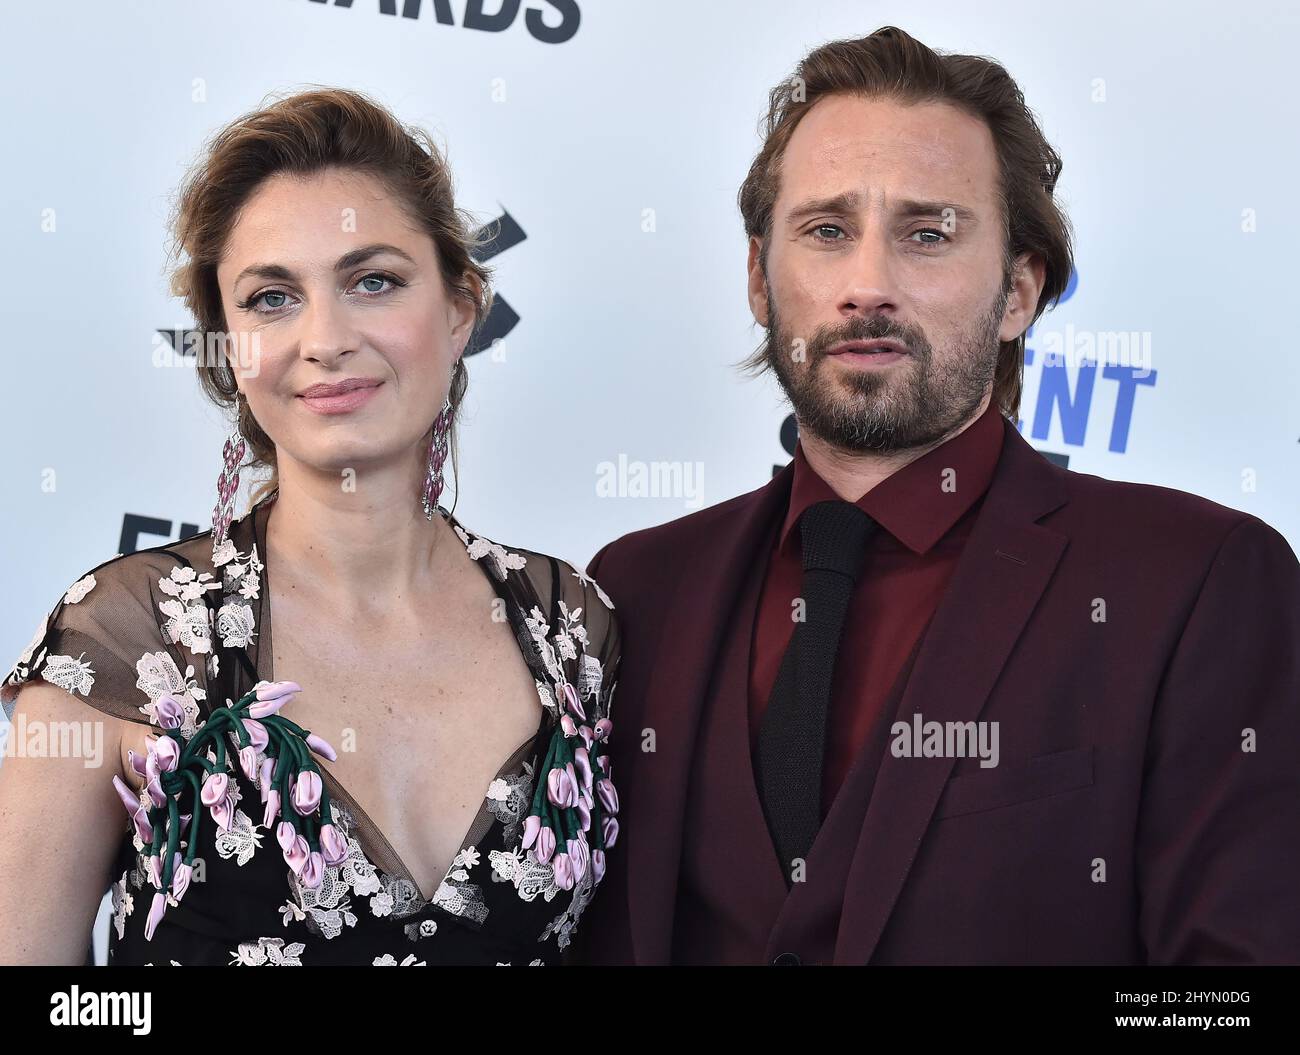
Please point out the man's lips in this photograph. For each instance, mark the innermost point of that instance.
(879, 346)
(868, 355)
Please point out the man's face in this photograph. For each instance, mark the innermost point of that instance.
(887, 227)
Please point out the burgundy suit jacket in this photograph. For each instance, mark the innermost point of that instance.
(1139, 647)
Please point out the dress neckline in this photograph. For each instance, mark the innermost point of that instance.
(374, 843)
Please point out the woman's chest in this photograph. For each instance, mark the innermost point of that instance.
(421, 721)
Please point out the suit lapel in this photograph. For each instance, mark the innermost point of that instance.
(1004, 567)
(712, 575)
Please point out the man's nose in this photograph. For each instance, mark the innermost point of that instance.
(868, 286)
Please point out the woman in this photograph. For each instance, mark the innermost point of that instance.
(412, 768)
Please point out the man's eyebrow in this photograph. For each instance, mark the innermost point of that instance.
(906, 209)
(346, 262)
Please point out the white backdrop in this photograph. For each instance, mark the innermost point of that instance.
(618, 151)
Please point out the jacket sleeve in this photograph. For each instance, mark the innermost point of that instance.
(1218, 839)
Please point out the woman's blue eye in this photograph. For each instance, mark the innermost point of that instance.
(271, 306)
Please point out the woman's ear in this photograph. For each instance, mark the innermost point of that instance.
(463, 313)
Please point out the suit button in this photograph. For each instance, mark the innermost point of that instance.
(786, 959)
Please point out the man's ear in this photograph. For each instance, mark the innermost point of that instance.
(1026, 287)
(757, 281)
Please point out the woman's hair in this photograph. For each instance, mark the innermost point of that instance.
(892, 64)
(302, 134)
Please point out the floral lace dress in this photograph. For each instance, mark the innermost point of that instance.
(167, 636)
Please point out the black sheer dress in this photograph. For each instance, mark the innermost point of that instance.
(171, 636)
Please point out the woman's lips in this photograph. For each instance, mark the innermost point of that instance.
(341, 403)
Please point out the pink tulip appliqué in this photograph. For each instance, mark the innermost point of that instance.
(270, 748)
(571, 820)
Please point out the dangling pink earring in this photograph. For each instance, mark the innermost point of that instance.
(437, 455)
(227, 484)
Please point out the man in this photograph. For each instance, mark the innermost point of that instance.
(926, 697)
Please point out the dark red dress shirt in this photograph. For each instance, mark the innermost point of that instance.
(925, 511)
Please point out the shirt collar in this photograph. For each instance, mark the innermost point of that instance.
(912, 504)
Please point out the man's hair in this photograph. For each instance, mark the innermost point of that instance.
(892, 64)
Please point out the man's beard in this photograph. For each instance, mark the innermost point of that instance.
(913, 403)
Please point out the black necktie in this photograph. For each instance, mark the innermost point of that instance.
(792, 736)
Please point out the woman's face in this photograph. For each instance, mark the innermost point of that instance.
(326, 279)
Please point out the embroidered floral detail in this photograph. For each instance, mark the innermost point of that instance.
(267, 952)
(507, 801)
(241, 839)
(189, 621)
(78, 590)
(387, 960)
(540, 630)
(572, 817)
(240, 582)
(456, 894)
(500, 560)
(235, 625)
(123, 905)
(26, 657)
(269, 751)
(587, 580)
(590, 677)
(530, 879)
(425, 928)
(547, 697)
(158, 676)
(398, 898)
(74, 675)
(563, 926)
(328, 907)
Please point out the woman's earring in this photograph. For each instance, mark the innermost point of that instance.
(437, 455)
(227, 484)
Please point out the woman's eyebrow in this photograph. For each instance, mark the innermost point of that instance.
(346, 262)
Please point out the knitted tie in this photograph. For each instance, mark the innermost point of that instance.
(792, 737)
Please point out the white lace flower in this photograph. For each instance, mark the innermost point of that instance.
(78, 590)
(39, 636)
(242, 839)
(388, 960)
(73, 675)
(587, 580)
(235, 625)
(224, 553)
(267, 952)
(157, 674)
(187, 625)
(123, 905)
(530, 879)
(501, 562)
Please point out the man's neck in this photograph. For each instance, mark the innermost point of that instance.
(851, 474)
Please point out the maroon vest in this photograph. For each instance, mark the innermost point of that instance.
(733, 906)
